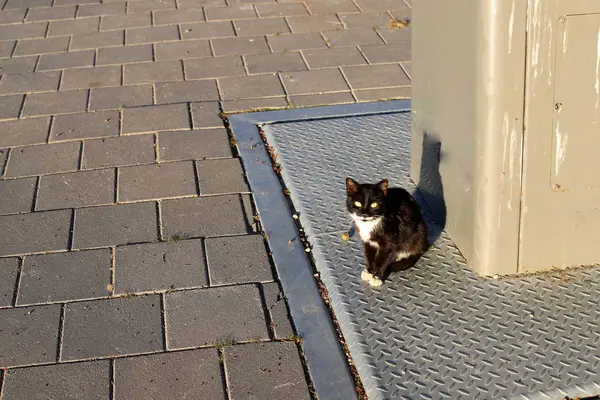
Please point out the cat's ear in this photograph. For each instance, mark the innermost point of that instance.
(382, 185)
(351, 187)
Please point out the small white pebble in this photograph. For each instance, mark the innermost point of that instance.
(307, 250)
(295, 216)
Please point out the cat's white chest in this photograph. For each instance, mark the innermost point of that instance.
(366, 228)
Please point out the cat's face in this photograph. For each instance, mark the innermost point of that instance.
(366, 201)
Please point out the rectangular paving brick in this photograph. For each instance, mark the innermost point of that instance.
(112, 327)
(310, 100)
(24, 131)
(278, 312)
(10, 106)
(281, 9)
(51, 13)
(194, 4)
(182, 50)
(10, 4)
(29, 335)
(333, 57)
(314, 23)
(250, 87)
(255, 104)
(210, 316)
(207, 216)
(234, 11)
(157, 71)
(66, 60)
(266, 26)
(114, 152)
(299, 41)
(381, 5)
(65, 276)
(113, 225)
(9, 268)
(393, 35)
(238, 259)
(266, 371)
(35, 232)
(156, 118)
(3, 158)
(387, 53)
(402, 92)
(12, 16)
(206, 30)
(89, 380)
(374, 76)
(221, 176)
(167, 17)
(50, 103)
(30, 82)
(352, 37)
(330, 7)
(73, 27)
(93, 10)
(116, 97)
(159, 266)
(277, 62)
(366, 20)
(23, 31)
(154, 181)
(6, 48)
(206, 115)
(43, 159)
(214, 67)
(150, 5)
(17, 195)
(98, 39)
(316, 81)
(65, 2)
(18, 65)
(83, 78)
(179, 92)
(406, 67)
(240, 45)
(76, 189)
(88, 125)
(124, 54)
(186, 145)
(112, 22)
(192, 374)
(152, 35)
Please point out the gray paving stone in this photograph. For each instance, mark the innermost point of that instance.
(66, 60)
(12, 16)
(17, 195)
(152, 35)
(281, 9)
(24, 131)
(333, 57)
(277, 62)
(3, 157)
(374, 76)
(118, 97)
(10, 106)
(240, 45)
(18, 65)
(402, 92)
(34, 232)
(76, 189)
(83, 78)
(187, 4)
(208, 216)
(310, 100)
(88, 125)
(159, 266)
(234, 11)
(98, 39)
(255, 104)
(10, 4)
(156, 118)
(187, 145)
(182, 50)
(51, 103)
(114, 225)
(366, 20)
(92, 10)
(393, 35)
(381, 5)
(238, 259)
(73, 27)
(157, 71)
(192, 374)
(150, 5)
(116, 152)
(179, 92)
(214, 315)
(314, 23)
(29, 335)
(30, 82)
(124, 54)
(9, 268)
(113, 22)
(248, 87)
(51, 13)
(64, 2)
(206, 115)
(214, 67)
(278, 312)
(112, 327)
(206, 30)
(406, 67)
(266, 26)
(331, 6)
(221, 176)
(43, 159)
(178, 16)
(65, 276)
(23, 31)
(316, 81)
(87, 380)
(266, 371)
(352, 37)
(6, 48)
(154, 181)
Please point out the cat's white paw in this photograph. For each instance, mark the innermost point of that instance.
(366, 276)
(375, 282)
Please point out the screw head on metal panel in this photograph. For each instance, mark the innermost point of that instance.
(562, 20)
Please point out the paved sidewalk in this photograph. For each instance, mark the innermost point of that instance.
(132, 264)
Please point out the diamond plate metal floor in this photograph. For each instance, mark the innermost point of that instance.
(437, 331)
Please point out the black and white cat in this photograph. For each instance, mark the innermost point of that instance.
(390, 225)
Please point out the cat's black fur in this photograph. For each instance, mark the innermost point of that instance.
(401, 230)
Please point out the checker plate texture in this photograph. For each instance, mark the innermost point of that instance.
(437, 331)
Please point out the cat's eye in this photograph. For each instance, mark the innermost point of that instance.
(357, 204)
(374, 205)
